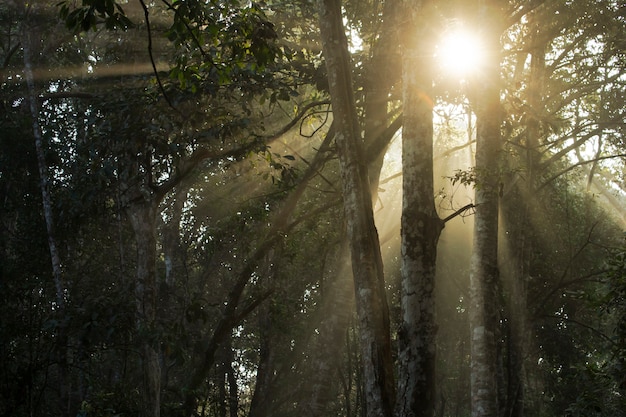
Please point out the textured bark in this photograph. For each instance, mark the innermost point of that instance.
(142, 215)
(483, 311)
(372, 309)
(420, 226)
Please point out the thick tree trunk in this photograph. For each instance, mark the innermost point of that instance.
(484, 295)
(420, 228)
(142, 215)
(371, 302)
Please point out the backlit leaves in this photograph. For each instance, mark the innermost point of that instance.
(93, 13)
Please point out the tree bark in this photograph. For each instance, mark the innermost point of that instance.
(142, 215)
(484, 294)
(420, 225)
(367, 268)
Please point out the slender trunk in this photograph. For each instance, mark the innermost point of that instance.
(233, 387)
(228, 398)
(420, 228)
(66, 406)
(221, 390)
(44, 177)
(142, 216)
(380, 77)
(371, 302)
(484, 294)
(231, 315)
(173, 254)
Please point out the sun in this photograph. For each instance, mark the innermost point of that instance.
(459, 53)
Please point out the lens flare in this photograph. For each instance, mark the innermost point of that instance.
(460, 53)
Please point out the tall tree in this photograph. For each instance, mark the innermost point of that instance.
(420, 224)
(367, 267)
(484, 292)
(31, 49)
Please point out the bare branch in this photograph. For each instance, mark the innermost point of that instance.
(460, 212)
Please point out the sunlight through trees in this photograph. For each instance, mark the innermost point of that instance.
(328, 208)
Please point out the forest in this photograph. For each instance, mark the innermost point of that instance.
(321, 208)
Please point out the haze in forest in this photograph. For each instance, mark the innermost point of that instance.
(216, 208)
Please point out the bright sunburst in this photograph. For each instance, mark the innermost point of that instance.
(460, 53)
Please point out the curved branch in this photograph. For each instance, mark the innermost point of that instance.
(146, 14)
(459, 212)
(295, 120)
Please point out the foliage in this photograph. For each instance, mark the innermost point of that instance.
(234, 73)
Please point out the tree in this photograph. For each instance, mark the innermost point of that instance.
(421, 225)
(484, 281)
(243, 302)
(371, 303)
(538, 122)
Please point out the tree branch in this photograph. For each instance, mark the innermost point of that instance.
(573, 166)
(296, 119)
(150, 53)
(459, 212)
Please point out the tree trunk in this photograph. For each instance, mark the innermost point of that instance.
(66, 406)
(173, 252)
(228, 398)
(371, 302)
(381, 75)
(142, 215)
(484, 295)
(420, 227)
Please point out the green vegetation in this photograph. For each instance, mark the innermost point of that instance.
(176, 233)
